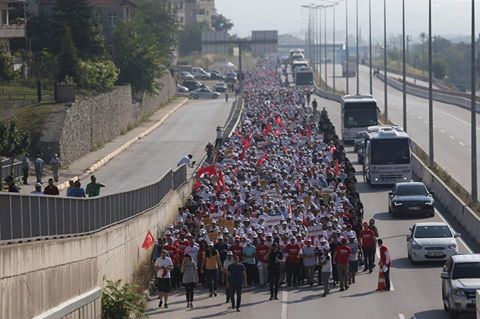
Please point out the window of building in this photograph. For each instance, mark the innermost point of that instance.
(201, 11)
(112, 20)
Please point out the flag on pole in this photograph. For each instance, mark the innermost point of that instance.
(149, 240)
(336, 169)
(208, 170)
(220, 182)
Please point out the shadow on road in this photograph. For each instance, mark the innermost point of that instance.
(439, 314)
(405, 263)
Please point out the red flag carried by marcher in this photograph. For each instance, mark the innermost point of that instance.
(336, 169)
(209, 170)
(149, 241)
(196, 185)
(309, 131)
(220, 182)
(262, 159)
(290, 213)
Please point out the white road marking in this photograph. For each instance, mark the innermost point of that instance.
(461, 143)
(426, 122)
(442, 131)
(460, 238)
(419, 117)
(454, 117)
(434, 126)
(284, 304)
(401, 316)
(452, 137)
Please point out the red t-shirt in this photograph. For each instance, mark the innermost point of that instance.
(237, 251)
(172, 252)
(384, 256)
(293, 253)
(367, 238)
(262, 253)
(181, 244)
(341, 254)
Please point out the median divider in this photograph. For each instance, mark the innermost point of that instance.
(456, 207)
(122, 148)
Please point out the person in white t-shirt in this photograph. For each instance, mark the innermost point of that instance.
(163, 266)
(309, 260)
(326, 266)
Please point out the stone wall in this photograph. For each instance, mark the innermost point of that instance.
(37, 276)
(93, 121)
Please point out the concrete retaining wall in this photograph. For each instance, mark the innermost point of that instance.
(37, 276)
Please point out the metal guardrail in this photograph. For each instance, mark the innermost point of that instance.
(26, 217)
(6, 169)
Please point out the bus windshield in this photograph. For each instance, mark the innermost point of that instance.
(304, 78)
(360, 114)
(390, 151)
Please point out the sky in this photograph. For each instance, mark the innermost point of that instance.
(450, 18)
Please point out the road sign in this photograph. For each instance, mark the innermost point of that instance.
(214, 42)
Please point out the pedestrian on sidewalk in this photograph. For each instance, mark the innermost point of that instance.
(353, 259)
(275, 260)
(342, 254)
(314, 105)
(226, 96)
(93, 188)
(25, 168)
(187, 160)
(51, 189)
(55, 163)
(163, 266)
(237, 279)
(39, 163)
(190, 277)
(384, 263)
(209, 151)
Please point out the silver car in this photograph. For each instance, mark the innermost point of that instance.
(204, 93)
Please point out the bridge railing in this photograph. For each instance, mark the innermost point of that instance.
(24, 217)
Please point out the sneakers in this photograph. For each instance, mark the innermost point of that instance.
(211, 294)
(238, 309)
(214, 293)
(160, 304)
(166, 306)
(276, 298)
(271, 297)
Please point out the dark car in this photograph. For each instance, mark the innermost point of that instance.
(192, 85)
(214, 75)
(411, 198)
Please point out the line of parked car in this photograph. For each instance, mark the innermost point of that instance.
(195, 89)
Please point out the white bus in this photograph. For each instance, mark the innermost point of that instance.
(387, 155)
(303, 78)
(358, 113)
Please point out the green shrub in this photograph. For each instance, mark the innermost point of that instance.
(6, 63)
(98, 75)
(122, 301)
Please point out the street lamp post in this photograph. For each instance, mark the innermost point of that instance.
(404, 69)
(346, 44)
(325, 44)
(385, 87)
(473, 110)
(370, 45)
(334, 52)
(430, 87)
(358, 56)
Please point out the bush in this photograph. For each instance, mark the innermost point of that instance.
(122, 301)
(6, 63)
(98, 75)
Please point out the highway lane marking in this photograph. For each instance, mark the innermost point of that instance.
(426, 122)
(461, 143)
(452, 137)
(284, 304)
(460, 238)
(452, 116)
(401, 316)
(442, 131)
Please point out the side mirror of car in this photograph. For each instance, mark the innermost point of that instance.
(432, 193)
(390, 194)
(457, 235)
(445, 275)
(408, 237)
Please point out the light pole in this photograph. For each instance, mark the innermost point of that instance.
(346, 44)
(370, 45)
(358, 56)
(404, 69)
(385, 87)
(325, 44)
(430, 87)
(473, 110)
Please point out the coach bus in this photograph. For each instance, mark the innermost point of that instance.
(303, 77)
(358, 113)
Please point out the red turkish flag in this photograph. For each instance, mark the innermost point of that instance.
(336, 169)
(220, 182)
(149, 240)
(209, 170)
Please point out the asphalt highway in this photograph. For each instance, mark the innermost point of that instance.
(452, 147)
(416, 294)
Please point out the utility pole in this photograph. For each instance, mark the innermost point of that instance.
(404, 69)
(473, 110)
(385, 87)
(325, 42)
(358, 55)
(346, 43)
(370, 45)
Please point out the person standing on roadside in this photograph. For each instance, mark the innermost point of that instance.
(190, 277)
(237, 279)
(55, 163)
(219, 137)
(25, 168)
(342, 254)
(367, 242)
(384, 263)
(93, 188)
(249, 252)
(187, 160)
(163, 266)
(209, 151)
(51, 189)
(275, 259)
(326, 270)
(309, 260)
(77, 190)
(314, 105)
(353, 259)
(39, 163)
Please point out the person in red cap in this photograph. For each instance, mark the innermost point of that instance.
(342, 254)
(367, 241)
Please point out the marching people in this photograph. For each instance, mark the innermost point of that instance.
(237, 279)
(275, 259)
(190, 278)
(384, 263)
(211, 266)
(163, 267)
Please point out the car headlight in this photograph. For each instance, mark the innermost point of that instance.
(416, 245)
(397, 203)
(459, 292)
(429, 202)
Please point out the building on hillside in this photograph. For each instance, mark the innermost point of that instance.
(108, 14)
(189, 11)
(12, 20)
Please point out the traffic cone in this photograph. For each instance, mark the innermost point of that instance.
(381, 281)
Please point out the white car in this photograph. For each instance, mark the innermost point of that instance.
(431, 241)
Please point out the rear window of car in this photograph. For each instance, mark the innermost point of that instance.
(411, 189)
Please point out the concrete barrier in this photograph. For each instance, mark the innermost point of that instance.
(41, 275)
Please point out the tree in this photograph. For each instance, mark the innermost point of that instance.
(79, 16)
(439, 69)
(221, 23)
(13, 142)
(6, 63)
(68, 63)
(190, 38)
(138, 58)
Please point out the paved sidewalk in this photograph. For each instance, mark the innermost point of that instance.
(81, 165)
